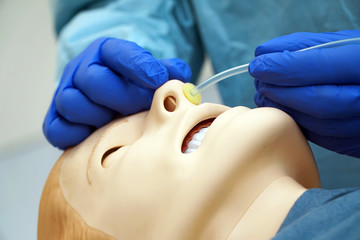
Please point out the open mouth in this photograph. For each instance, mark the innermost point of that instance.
(194, 138)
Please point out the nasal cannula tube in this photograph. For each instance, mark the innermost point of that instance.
(244, 68)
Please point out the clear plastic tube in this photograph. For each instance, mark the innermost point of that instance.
(244, 68)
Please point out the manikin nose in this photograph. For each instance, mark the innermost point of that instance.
(170, 101)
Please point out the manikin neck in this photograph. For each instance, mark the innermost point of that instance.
(250, 203)
(254, 216)
(265, 215)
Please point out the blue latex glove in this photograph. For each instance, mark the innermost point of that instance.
(319, 88)
(111, 76)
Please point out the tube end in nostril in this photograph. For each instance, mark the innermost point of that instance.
(193, 98)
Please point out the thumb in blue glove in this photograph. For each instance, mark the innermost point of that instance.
(111, 76)
(319, 88)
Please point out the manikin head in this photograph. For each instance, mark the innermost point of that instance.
(132, 180)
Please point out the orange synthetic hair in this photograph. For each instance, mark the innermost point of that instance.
(57, 219)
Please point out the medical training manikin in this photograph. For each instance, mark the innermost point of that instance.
(180, 171)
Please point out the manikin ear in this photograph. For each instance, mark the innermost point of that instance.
(57, 219)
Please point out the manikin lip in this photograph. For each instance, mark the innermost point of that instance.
(195, 129)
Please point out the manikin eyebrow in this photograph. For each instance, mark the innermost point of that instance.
(92, 159)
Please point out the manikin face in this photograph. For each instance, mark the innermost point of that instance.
(132, 180)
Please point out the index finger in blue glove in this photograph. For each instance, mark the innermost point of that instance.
(128, 59)
(338, 65)
(62, 133)
(178, 69)
(104, 87)
(339, 137)
(340, 128)
(75, 107)
(348, 146)
(321, 101)
(301, 40)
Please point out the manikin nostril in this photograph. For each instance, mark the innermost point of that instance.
(170, 103)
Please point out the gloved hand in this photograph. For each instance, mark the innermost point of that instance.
(111, 76)
(319, 88)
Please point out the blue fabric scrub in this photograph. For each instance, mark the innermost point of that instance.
(323, 214)
(227, 31)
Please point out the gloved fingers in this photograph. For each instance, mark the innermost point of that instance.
(338, 128)
(301, 40)
(320, 101)
(348, 146)
(75, 107)
(61, 133)
(129, 59)
(104, 87)
(339, 65)
(177, 69)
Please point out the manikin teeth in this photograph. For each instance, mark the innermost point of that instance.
(196, 140)
(189, 150)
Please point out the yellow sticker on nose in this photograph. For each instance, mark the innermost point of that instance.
(193, 96)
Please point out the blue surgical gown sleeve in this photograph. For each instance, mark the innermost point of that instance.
(323, 214)
(166, 28)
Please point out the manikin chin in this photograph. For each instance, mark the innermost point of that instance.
(180, 171)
